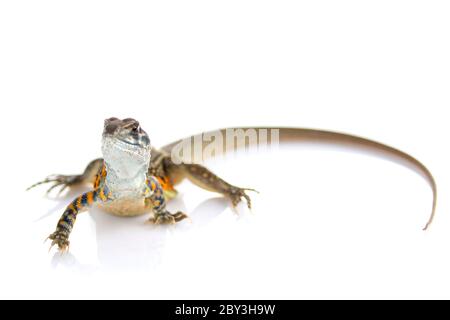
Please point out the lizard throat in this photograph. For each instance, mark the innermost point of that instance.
(126, 186)
(126, 167)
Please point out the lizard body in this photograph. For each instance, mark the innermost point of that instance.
(133, 179)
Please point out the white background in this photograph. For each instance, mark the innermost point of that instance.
(328, 223)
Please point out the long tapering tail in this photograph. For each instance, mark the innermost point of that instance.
(314, 135)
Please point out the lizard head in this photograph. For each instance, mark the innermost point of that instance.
(125, 147)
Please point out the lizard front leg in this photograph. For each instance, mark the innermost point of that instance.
(156, 200)
(65, 181)
(65, 224)
(207, 180)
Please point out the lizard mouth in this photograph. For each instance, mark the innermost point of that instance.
(137, 148)
(136, 144)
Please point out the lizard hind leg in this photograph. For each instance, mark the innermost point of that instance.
(70, 181)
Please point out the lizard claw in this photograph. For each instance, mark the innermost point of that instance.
(60, 239)
(236, 195)
(167, 218)
(59, 180)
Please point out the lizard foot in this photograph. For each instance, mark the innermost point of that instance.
(236, 194)
(61, 239)
(59, 180)
(167, 218)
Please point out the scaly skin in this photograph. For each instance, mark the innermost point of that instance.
(133, 179)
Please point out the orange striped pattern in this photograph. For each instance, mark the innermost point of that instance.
(99, 177)
(166, 184)
(90, 198)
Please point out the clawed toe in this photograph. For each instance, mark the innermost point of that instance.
(167, 218)
(59, 239)
(162, 219)
(59, 180)
(236, 195)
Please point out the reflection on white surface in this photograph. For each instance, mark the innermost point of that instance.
(323, 216)
(289, 191)
(131, 243)
(326, 224)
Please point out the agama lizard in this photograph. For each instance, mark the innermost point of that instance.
(133, 178)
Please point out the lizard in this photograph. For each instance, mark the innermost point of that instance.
(132, 178)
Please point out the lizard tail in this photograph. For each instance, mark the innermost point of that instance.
(287, 135)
